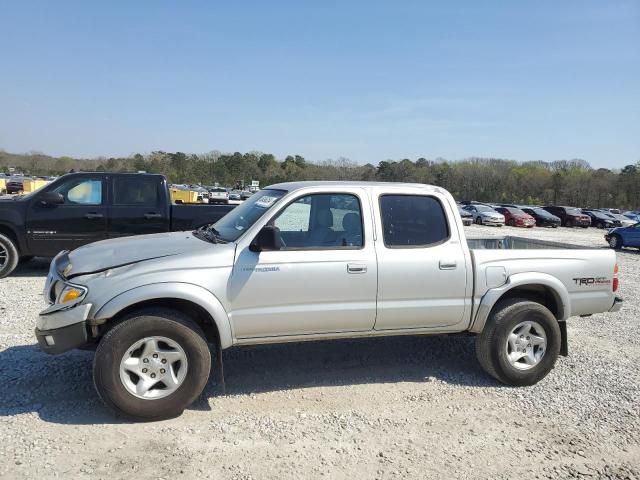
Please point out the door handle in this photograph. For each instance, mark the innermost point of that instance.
(149, 216)
(93, 216)
(448, 264)
(356, 268)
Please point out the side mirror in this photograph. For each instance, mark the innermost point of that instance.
(51, 198)
(267, 239)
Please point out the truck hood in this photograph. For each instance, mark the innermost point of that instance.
(107, 254)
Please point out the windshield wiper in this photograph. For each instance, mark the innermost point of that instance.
(210, 234)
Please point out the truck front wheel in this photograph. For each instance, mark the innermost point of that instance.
(520, 342)
(152, 365)
(8, 256)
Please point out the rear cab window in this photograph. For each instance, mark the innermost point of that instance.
(413, 221)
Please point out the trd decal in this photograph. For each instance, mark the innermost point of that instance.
(587, 281)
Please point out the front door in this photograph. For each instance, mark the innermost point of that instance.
(422, 270)
(80, 219)
(322, 280)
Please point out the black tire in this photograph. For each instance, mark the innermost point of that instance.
(600, 225)
(144, 323)
(615, 241)
(491, 344)
(8, 256)
(568, 223)
(511, 223)
(478, 220)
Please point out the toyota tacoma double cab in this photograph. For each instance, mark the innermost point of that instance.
(80, 208)
(314, 261)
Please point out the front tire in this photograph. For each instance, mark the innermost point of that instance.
(152, 365)
(568, 223)
(615, 242)
(8, 256)
(520, 342)
(478, 220)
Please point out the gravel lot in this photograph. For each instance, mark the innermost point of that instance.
(378, 408)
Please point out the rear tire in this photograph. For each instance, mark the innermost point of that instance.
(494, 345)
(183, 338)
(8, 256)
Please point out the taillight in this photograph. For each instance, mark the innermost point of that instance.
(616, 282)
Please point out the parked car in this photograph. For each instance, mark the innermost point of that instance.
(623, 220)
(601, 219)
(245, 194)
(218, 195)
(467, 218)
(514, 217)
(624, 237)
(633, 215)
(570, 216)
(15, 185)
(235, 195)
(80, 208)
(166, 301)
(485, 215)
(542, 217)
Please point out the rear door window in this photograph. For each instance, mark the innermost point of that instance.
(135, 191)
(413, 221)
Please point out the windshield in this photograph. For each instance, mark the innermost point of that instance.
(574, 211)
(237, 221)
(484, 208)
(542, 212)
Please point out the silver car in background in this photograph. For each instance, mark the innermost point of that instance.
(485, 215)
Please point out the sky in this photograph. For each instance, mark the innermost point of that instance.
(367, 80)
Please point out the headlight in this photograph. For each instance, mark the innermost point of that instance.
(71, 293)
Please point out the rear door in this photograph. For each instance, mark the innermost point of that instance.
(81, 219)
(138, 205)
(422, 271)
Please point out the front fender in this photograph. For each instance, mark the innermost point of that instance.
(492, 296)
(162, 291)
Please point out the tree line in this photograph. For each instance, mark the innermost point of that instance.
(565, 182)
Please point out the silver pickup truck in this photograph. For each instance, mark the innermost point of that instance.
(314, 261)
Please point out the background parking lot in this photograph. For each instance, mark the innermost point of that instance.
(386, 408)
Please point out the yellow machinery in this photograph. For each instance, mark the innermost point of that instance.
(3, 185)
(183, 196)
(32, 185)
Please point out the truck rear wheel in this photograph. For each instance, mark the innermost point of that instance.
(152, 365)
(520, 342)
(8, 256)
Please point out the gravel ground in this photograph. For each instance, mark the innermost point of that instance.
(377, 408)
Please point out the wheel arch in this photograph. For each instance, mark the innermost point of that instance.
(197, 302)
(12, 235)
(540, 288)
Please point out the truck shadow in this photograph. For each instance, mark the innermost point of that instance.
(60, 389)
(38, 267)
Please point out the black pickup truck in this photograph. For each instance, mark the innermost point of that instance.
(80, 208)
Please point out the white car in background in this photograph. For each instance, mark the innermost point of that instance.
(485, 215)
(218, 195)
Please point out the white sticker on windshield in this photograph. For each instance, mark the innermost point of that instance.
(266, 201)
